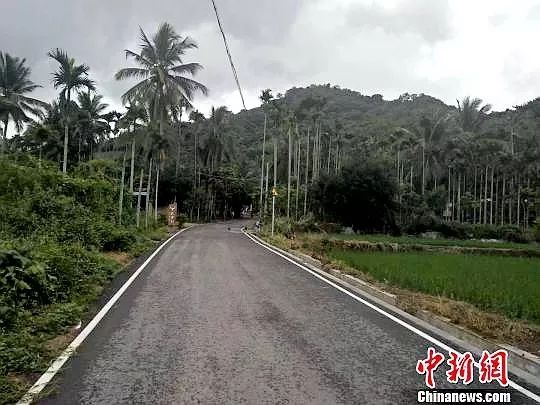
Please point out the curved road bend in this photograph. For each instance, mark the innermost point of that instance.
(217, 319)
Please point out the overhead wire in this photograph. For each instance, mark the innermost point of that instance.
(229, 53)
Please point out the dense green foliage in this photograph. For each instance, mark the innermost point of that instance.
(361, 196)
(54, 229)
(500, 284)
(51, 228)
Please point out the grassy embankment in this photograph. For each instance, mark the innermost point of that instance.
(411, 240)
(60, 245)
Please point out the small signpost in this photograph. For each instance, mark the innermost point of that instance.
(274, 195)
(171, 214)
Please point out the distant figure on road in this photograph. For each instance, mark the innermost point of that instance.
(258, 225)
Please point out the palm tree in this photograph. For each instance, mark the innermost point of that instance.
(91, 123)
(161, 72)
(265, 97)
(472, 113)
(215, 150)
(69, 76)
(134, 116)
(15, 83)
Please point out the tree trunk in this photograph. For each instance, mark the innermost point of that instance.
(454, 193)
(485, 196)
(195, 184)
(491, 202)
(423, 166)
(297, 178)
(459, 199)
(266, 189)
(518, 213)
(510, 201)
(289, 176)
(139, 198)
(314, 159)
(503, 198)
(66, 133)
(121, 199)
(307, 173)
(4, 135)
(329, 155)
(262, 167)
(474, 194)
(156, 199)
(148, 187)
(398, 182)
(450, 207)
(497, 201)
(132, 163)
(178, 148)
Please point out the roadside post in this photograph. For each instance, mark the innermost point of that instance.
(171, 214)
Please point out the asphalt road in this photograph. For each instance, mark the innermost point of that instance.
(217, 319)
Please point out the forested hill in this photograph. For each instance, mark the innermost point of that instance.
(364, 124)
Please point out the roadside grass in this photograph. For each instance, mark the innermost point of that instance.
(40, 334)
(411, 240)
(505, 285)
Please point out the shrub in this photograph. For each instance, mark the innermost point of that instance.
(23, 282)
(453, 230)
(423, 223)
(516, 234)
(119, 239)
(479, 231)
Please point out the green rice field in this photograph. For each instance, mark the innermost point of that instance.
(506, 285)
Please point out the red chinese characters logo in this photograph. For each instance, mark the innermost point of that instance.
(429, 365)
(460, 368)
(491, 367)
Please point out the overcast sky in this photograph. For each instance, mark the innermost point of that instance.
(448, 49)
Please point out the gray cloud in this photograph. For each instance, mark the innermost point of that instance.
(426, 18)
(97, 35)
(371, 46)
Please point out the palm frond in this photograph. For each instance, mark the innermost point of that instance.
(191, 68)
(127, 73)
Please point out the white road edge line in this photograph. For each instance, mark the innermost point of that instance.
(413, 329)
(57, 364)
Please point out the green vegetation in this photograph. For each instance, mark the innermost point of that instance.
(334, 157)
(54, 230)
(412, 240)
(500, 284)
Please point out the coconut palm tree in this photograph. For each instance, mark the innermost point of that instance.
(161, 70)
(69, 77)
(472, 113)
(15, 84)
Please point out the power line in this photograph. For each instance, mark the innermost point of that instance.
(229, 55)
